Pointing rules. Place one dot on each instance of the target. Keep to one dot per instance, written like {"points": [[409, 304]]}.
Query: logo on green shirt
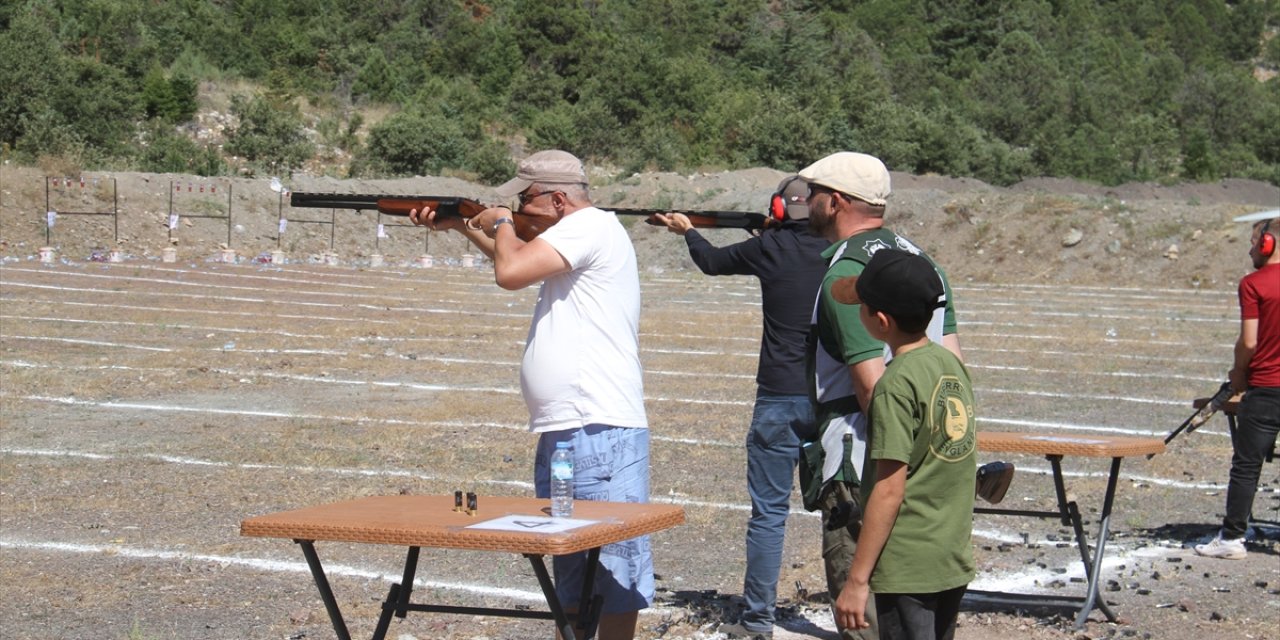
{"points": [[951, 425]]}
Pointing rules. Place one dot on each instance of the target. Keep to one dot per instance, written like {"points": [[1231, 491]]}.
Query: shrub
{"points": [[413, 143]]}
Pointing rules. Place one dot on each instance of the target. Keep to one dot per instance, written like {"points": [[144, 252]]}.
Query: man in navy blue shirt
{"points": [[787, 259]]}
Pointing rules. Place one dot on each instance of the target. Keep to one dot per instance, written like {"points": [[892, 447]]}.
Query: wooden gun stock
{"points": [[527, 227]]}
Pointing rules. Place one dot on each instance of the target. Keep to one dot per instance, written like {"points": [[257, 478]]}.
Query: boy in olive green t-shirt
{"points": [[914, 551]]}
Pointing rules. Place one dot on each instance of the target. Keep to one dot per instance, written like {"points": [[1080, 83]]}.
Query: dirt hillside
{"points": [[1038, 231]]}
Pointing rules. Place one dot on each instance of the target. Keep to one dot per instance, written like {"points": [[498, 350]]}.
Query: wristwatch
{"points": [[501, 221]]}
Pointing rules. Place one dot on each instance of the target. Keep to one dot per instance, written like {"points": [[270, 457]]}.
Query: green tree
{"points": [[1192, 37], [376, 80], [268, 133], [29, 74], [1198, 159], [412, 143], [1019, 89], [170, 99], [782, 135], [166, 151]]}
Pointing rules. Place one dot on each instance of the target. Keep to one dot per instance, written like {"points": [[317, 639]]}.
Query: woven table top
{"points": [[1046, 444], [430, 521]]}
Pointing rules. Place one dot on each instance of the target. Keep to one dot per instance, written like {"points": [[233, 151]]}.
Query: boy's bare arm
{"points": [[877, 523]]}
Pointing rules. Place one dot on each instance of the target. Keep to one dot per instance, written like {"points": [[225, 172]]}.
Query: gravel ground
{"points": [[146, 408]]}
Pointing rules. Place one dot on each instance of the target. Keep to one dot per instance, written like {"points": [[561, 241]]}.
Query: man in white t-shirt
{"points": [[581, 375]]}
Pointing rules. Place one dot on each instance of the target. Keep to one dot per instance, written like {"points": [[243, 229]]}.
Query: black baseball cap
{"points": [[899, 283]]}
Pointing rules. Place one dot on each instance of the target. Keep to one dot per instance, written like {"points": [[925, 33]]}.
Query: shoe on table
{"points": [[737, 630], [1219, 547]]}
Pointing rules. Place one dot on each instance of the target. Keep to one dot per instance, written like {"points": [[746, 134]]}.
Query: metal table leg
{"points": [[326, 593], [588, 614], [1094, 572], [397, 602], [1071, 516], [563, 625]]}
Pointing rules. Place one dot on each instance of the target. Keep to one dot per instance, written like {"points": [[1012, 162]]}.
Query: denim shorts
{"points": [[609, 464]]}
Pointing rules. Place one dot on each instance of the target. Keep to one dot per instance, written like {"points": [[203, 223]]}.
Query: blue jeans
{"points": [[773, 448]]}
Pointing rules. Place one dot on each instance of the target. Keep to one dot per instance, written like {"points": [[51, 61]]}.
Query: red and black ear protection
{"points": [[778, 203], [778, 207], [1266, 241]]}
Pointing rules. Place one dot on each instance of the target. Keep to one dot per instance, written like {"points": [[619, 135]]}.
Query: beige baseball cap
{"points": [[857, 174], [552, 166]]}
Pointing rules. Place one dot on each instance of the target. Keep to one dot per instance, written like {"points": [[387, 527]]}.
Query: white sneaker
{"points": [[1220, 548]]}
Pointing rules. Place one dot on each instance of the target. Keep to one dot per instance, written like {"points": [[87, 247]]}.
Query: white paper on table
{"points": [[532, 524]]}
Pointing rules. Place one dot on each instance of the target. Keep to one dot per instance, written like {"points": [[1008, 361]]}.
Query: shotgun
{"points": [[527, 227], [1202, 414]]}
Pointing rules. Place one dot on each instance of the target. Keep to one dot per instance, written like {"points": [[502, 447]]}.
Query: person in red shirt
{"points": [[1256, 373]]}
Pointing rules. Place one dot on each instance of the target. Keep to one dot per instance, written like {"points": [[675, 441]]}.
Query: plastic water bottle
{"points": [[562, 481]]}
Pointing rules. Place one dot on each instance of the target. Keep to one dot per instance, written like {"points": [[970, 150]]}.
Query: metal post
{"points": [[228, 214], [279, 215], [169, 222], [115, 208]]}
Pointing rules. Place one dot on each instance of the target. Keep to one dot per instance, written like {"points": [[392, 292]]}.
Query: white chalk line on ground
{"points": [[93, 343], [293, 290], [513, 364], [1066, 426], [671, 498], [748, 291], [1085, 396], [1033, 581], [993, 308], [137, 406], [381, 279], [1110, 374], [647, 398], [313, 336], [207, 285], [740, 286], [647, 370], [166, 326], [469, 313], [1091, 291], [1143, 341], [261, 564], [1022, 312], [126, 345], [377, 383], [315, 318], [193, 296], [214, 312], [251, 466], [1225, 361], [997, 535], [331, 418]]}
